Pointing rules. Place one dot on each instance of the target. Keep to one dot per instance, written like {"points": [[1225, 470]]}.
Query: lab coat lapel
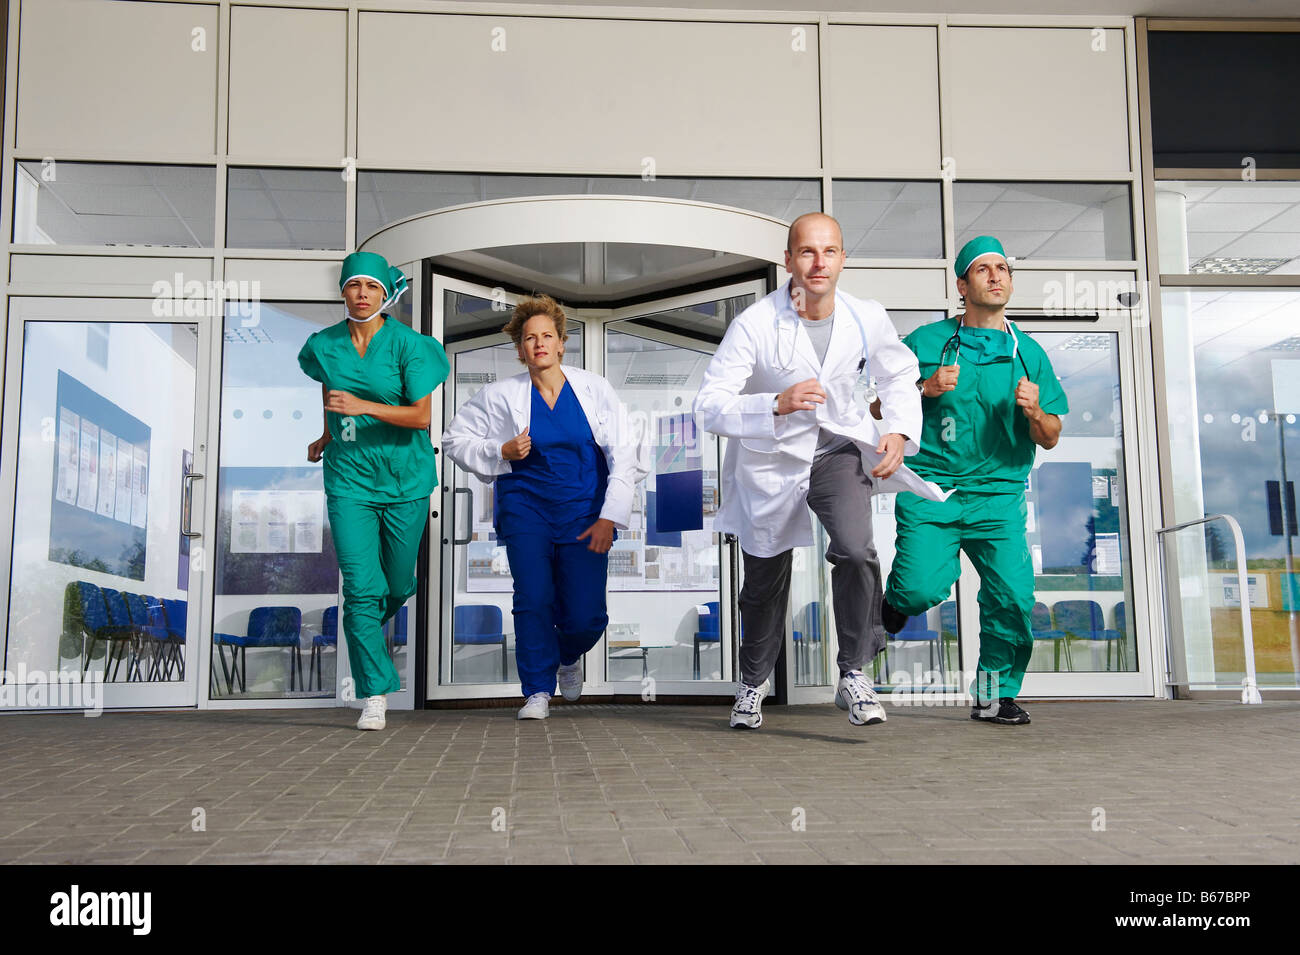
{"points": [[845, 350], [519, 396], [805, 356], [587, 398]]}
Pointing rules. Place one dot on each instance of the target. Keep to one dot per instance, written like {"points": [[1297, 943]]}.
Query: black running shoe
{"points": [[1005, 711], [893, 620]]}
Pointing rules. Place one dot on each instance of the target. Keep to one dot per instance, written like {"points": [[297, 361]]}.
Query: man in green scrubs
{"points": [[989, 400], [377, 376]]}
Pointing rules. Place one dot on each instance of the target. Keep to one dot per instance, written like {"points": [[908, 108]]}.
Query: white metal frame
{"points": [[135, 695]]}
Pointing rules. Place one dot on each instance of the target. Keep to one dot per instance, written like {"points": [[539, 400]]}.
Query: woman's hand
{"points": [[341, 402], [517, 448], [601, 534], [316, 449]]}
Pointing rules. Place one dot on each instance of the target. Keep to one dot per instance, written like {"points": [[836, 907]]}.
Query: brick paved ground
{"points": [[1178, 782]]}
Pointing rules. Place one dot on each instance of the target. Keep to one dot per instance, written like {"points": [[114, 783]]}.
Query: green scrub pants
{"points": [[377, 545], [991, 529]]}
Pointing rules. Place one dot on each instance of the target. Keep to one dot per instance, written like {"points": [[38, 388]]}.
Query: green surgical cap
{"points": [[371, 265], [972, 250]]}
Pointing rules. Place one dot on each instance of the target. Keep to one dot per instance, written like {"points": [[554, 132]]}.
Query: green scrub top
{"points": [[372, 460], [975, 437]]}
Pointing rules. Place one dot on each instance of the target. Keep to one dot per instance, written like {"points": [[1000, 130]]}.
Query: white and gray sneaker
{"points": [[372, 714], [856, 694], [747, 711], [570, 680], [536, 707]]}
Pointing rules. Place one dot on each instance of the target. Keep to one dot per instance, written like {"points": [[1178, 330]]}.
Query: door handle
{"points": [[187, 494], [455, 516]]}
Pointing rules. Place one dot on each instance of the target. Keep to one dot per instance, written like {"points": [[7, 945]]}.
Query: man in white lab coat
{"points": [[781, 387]]}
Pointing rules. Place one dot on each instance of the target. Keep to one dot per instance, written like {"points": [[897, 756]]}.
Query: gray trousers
{"points": [[839, 493]]}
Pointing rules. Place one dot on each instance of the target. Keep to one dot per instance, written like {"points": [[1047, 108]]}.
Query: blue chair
{"points": [[176, 612], [130, 632], [479, 625], [328, 637], [267, 627], [86, 620], [159, 639], [1040, 625], [1084, 620], [397, 631], [708, 630], [914, 630]]}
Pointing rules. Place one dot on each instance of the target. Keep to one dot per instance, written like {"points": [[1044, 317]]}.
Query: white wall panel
{"points": [[288, 83], [1037, 100], [94, 74], [587, 94], [882, 100]]}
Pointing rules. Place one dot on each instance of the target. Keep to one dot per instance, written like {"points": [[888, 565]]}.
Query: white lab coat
{"points": [[769, 459], [501, 410]]}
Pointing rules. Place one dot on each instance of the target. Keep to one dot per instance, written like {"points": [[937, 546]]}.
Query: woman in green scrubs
{"points": [[377, 377]]}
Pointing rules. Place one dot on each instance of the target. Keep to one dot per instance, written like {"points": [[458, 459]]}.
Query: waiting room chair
{"points": [[1040, 626], [267, 627], [807, 638], [480, 625], [85, 618], [916, 631], [1084, 620], [708, 629], [328, 637]]}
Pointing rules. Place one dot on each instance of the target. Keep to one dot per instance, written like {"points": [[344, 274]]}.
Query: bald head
{"points": [[811, 223]]}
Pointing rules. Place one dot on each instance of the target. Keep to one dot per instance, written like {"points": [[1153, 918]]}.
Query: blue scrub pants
{"points": [[377, 547], [559, 606]]}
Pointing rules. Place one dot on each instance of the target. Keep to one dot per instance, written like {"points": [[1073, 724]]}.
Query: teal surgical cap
{"points": [[977, 247], [371, 265]]}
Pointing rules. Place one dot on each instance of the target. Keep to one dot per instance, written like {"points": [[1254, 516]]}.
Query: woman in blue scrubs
{"points": [[565, 461], [377, 377]]}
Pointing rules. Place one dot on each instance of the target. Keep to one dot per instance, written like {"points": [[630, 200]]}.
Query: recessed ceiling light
{"points": [[1236, 265]]}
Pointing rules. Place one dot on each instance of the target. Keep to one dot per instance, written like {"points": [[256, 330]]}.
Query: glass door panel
{"points": [[104, 448], [671, 609], [478, 633]]}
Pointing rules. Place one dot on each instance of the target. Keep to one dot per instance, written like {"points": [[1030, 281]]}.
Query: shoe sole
{"points": [[742, 725], [364, 728], [571, 699], [532, 717], [1000, 722]]}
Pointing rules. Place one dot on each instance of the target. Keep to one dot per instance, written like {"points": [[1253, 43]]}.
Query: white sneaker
{"points": [[570, 680], [536, 707], [747, 711], [856, 694], [372, 716]]}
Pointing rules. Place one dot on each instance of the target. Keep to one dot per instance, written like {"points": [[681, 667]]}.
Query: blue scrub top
{"points": [[559, 489]]}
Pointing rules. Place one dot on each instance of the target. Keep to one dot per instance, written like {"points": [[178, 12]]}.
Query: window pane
{"points": [[81, 203], [385, 197], [285, 209], [100, 578], [1229, 228], [1232, 362], [1048, 220], [896, 220]]}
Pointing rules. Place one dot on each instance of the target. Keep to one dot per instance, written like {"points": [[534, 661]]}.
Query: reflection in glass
{"points": [[895, 220], [1229, 228], [1077, 521], [100, 577], [1232, 362], [1048, 220], [385, 197], [664, 579], [285, 209], [83, 203]]}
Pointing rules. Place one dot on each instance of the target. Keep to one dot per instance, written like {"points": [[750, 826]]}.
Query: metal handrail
{"points": [[1250, 688]]}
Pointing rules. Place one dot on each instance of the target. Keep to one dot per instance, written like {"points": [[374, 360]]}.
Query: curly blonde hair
{"points": [[531, 307]]}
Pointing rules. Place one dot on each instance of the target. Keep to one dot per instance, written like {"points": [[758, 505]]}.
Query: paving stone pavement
{"points": [[1173, 782]]}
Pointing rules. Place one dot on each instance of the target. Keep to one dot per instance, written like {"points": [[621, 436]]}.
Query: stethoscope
{"points": [[955, 343], [788, 364]]}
